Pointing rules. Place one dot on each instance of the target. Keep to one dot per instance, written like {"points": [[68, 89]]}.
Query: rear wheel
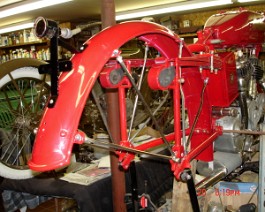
{"points": [[148, 112]]}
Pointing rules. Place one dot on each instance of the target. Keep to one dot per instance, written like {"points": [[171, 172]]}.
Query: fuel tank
{"points": [[234, 28]]}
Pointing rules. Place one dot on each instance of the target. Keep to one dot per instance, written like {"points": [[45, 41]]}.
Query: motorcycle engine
{"points": [[250, 106], [245, 113]]}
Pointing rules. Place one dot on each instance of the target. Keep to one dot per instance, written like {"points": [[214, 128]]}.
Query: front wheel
{"points": [[23, 95]]}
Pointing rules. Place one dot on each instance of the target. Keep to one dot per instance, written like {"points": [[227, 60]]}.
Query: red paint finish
{"points": [[241, 28], [222, 88], [58, 129]]}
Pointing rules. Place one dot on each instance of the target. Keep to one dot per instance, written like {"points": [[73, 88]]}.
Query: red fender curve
{"points": [[58, 127]]}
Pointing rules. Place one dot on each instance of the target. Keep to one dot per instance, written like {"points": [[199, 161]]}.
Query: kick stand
{"points": [[184, 197], [192, 191]]}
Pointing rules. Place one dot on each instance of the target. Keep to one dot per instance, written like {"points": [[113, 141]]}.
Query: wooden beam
{"points": [[118, 175]]}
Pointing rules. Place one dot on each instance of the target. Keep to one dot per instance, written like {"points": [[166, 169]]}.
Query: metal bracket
{"points": [[53, 68], [186, 176]]}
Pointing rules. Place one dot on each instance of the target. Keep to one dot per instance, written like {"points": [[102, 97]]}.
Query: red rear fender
{"points": [[58, 128]]}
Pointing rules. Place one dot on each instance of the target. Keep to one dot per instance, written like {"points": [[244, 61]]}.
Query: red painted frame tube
{"points": [[197, 150], [123, 119], [178, 167], [178, 147]]}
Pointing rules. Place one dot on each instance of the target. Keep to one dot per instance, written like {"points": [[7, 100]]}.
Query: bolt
{"points": [[35, 131], [115, 52], [185, 176], [78, 137], [63, 133], [177, 160], [188, 177]]}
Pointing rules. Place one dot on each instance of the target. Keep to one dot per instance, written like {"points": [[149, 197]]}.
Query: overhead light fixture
{"points": [[8, 2], [247, 1], [12, 28], [29, 6], [169, 8]]}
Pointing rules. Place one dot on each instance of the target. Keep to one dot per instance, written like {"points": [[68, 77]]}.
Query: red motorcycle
{"points": [[205, 101]]}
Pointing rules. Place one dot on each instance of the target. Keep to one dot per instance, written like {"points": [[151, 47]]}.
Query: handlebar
{"points": [[49, 28]]}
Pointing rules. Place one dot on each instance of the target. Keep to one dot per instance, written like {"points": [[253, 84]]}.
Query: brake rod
{"points": [[113, 147], [244, 132]]}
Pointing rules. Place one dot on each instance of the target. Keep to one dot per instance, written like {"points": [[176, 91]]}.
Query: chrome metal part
{"points": [[211, 180], [139, 87], [113, 147], [256, 110], [222, 160], [229, 142], [219, 111], [253, 88], [249, 132]]}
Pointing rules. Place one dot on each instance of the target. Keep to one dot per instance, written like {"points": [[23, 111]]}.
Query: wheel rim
{"points": [[22, 102]]}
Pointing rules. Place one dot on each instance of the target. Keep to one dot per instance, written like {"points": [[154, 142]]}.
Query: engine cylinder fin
{"points": [[257, 72]]}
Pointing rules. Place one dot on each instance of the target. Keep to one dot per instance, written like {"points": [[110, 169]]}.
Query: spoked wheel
{"points": [[147, 112], [23, 95], [136, 116]]}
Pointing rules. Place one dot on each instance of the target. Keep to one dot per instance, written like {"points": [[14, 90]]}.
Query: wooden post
{"points": [[180, 197], [118, 175]]}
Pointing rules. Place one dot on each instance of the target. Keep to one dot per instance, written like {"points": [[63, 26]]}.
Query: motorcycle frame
{"points": [[58, 130]]}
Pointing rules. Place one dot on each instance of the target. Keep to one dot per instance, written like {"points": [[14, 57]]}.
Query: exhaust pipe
{"points": [[210, 181]]}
